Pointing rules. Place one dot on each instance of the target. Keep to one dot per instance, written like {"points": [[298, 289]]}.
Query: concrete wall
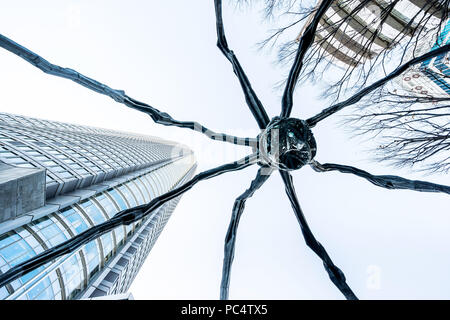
{"points": [[21, 190]]}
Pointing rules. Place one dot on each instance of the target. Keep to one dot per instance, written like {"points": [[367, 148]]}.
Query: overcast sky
{"points": [[390, 244]]}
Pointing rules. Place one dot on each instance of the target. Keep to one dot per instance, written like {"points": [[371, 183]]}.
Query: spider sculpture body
{"points": [[285, 144]]}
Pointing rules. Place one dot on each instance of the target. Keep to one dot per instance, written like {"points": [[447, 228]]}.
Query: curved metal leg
{"points": [[118, 95], [230, 239], [336, 275], [256, 107], [388, 182]]}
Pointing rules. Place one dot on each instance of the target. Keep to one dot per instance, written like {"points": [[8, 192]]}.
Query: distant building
{"points": [[59, 179], [346, 48], [120, 296], [432, 77]]}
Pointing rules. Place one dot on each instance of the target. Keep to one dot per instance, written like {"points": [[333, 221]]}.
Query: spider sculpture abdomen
{"points": [[287, 144]]}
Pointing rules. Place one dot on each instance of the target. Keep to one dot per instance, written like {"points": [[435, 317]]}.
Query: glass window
{"points": [[108, 245], [149, 186], [74, 219], [145, 188], [118, 198], [16, 253], [128, 195], [49, 231], [42, 291], [107, 205], [72, 274], [120, 235], [136, 191], [3, 265], [30, 275], [93, 212], [129, 229], [92, 257], [163, 180], [3, 293], [8, 238], [158, 183], [155, 184]]}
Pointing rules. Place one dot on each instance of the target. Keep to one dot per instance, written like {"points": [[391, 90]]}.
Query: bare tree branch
{"points": [[305, 43], [405, 129], [352, 38], [358, 96]]}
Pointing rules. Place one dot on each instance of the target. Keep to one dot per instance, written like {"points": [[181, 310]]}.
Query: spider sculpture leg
{"points": [[123, 217], [385, 181], [336, 275], [305, 43], [118, 95], [256, 107], [230, 239], [358, 96]]}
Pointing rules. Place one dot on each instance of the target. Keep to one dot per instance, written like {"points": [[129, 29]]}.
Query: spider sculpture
{"points": [[285, 144]]}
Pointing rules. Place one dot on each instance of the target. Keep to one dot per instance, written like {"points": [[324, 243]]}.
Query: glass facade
{"points": [[76, 156], [432, 76], [346, 47], [108, 264]]}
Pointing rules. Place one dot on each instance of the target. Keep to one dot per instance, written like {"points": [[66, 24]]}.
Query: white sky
{"points": [[390, 244]]}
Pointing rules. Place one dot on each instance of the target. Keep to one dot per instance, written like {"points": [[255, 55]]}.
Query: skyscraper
{"points": [[353, 28], [432, 76], [57, 180]]}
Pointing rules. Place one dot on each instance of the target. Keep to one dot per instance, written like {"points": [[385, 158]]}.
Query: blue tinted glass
{"points": [[58, 238], [3, 293], [145, 188], [28, 276], [93, 212], [129, 228], [107, 205], [2, 262], [50, 232], [43, 290], [158, 181], [119, 233], [107, 243], [136, 192], [75, 220], [128, 195], [42, 222], [8, 238], [17, 252], [149, 187], [92, 255], [155, 184], [160, 177], [118, 198], [72, 274]]}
